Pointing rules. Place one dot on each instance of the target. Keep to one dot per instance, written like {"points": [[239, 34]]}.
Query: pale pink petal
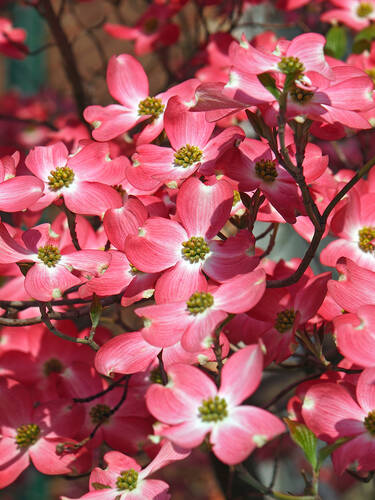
{"points": [[42, 159], [46, 460], [185, 127], [45, 283], [13, 461], [110, 121], [127, 80], [245, 428], [92, 198], [204, 208], [188, 434], [180, 282], [330, 412], [241, 293], [241, 374], [10, 251], [366, 390], [309, 48], [126, 353], [120, 222], [92, 261], [163, 329], [157, 246], [19, 193], [168, 453], [200, 333]]}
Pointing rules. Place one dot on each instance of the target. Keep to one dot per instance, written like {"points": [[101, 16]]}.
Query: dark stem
{"points": [[67, 55]]}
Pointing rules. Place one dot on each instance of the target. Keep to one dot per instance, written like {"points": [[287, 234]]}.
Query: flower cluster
{"points": [[143, 216]]}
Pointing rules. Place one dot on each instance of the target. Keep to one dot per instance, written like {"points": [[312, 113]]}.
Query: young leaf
{"points": [[270, 84], [99, 486], [95, 311], [305, 438], [330, 448], [363, 39], [336, 42]]}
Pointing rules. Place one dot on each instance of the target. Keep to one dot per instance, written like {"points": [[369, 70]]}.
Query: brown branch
{"points": [[29, 121], [47, 321], [72, 314], [70, 63]]}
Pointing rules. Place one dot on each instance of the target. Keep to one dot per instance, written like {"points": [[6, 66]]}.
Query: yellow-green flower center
{"points": [[127, 480], [369, 422], [364, 9], [151, 106], [291, 65], [301, 96], [284, 320], [236, 198], [199, 302], [53, 365], [27, 435], [195, 249], [49, 255], [60, 177], [213, 409], [366, 239], [266, 170], [100, 413], [187, 156], [155, 376]]}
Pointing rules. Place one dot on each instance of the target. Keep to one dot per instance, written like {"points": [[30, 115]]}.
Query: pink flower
{"points": [[17, 193], [11, 40], [192, 146], [192, 406], [151, 31], [50, 275], [124, 478], [331, 412], [82, 178], [193, 321], [128, 84], [32, 432], [354, 224], [356, 14], [183, 247]]}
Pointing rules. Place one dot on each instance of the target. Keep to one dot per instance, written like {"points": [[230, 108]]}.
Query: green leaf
{"points": [[99, 486], [269, 83], [305, 438], [363, 39], [330, 448], [336, 42], [95, 311]]}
